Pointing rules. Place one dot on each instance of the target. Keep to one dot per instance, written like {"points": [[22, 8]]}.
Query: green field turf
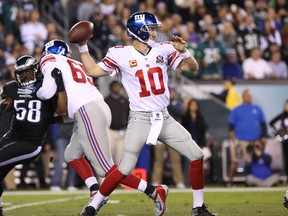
{"points": [[223, 202]]}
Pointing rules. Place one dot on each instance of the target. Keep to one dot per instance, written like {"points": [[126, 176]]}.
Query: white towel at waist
{"points": [[156, 126]]}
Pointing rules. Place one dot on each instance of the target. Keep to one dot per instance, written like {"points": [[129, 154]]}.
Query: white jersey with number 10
{"points": [[144, 77]]}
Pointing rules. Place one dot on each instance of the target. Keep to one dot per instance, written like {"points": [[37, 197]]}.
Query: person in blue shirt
{"points": [[259, 172], [247, 125], [231, 67]]}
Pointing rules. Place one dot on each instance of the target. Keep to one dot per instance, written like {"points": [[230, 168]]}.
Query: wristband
{"points": [[186, 54], [83, 48]]}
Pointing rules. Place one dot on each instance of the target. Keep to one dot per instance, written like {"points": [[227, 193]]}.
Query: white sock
{"points": [[198, 198], [97, 200], [91, 181], [142, 185]]}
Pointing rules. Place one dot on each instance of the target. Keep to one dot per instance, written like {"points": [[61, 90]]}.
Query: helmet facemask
{"points": [[154, 32], [26, 77]]}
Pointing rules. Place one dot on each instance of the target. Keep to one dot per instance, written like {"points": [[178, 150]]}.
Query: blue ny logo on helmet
{"points": [[58, 47], [139, 23]]}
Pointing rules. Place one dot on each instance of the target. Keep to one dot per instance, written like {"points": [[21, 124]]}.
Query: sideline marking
{"points": [[43, 202]]}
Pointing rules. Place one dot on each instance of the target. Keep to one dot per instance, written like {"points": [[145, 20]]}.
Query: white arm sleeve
{"points": [[49, 86]]}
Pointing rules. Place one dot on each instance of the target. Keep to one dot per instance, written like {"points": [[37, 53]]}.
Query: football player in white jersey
{"points": [[143, 68], [92, 118]]}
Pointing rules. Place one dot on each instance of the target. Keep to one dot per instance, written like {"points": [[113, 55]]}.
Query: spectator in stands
{"points": [[61, 137], [258, 169], [205, 24], [260, 14], [269, 35], [273, 18], [9, 11], [176, 109], [281, 7], [267, 54], [248, 38], [178, 26], [85, 10], [119, 106], [280, 125], [166, 33], [212, 55], [247, 125], [51, 28], [108, 6], [33, 32], [223, 15], [71, 8], [256, 67], [228, 35], [21, 18], [9, 41], [229, 95], [116, 37], [194, 37], [231, 67], [284, 47], [278, 66], [198, 15], [183, 8]]}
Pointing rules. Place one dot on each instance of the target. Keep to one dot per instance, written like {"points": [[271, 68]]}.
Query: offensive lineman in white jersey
{"points": [[143, 68], [92, 117]]}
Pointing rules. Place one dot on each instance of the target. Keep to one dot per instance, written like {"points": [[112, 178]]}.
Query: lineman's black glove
{"points": [[57, 75]]}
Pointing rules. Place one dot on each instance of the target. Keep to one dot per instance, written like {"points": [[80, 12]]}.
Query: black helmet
{"points": [[26, 70]]}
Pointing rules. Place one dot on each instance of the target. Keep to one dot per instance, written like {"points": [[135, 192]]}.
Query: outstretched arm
{"points": [[91, 67], [189, 63]]}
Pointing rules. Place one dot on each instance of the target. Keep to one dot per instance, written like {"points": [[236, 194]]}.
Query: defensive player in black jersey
{"points": [[30, 121]]}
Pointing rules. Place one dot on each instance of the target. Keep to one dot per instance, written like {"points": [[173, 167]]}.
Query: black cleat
{"points": [[89, 211], [1, 211], [90, 200], [201, 211]]}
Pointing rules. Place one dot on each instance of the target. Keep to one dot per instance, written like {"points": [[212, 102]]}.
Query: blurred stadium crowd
{"points": [[220, 33]]}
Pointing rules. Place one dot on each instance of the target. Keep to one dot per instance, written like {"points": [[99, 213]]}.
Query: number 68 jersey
{"points": [[144, 77], [79, 87], [32, 116]]}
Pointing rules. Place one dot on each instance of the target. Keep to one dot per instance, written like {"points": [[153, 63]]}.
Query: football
{"points": [[80, 32]]}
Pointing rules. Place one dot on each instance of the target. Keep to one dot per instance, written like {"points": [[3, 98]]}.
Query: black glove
{"points": [[57, 75]]}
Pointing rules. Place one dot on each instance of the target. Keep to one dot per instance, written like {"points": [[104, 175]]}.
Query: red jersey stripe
{"points": [[50, 58]]}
